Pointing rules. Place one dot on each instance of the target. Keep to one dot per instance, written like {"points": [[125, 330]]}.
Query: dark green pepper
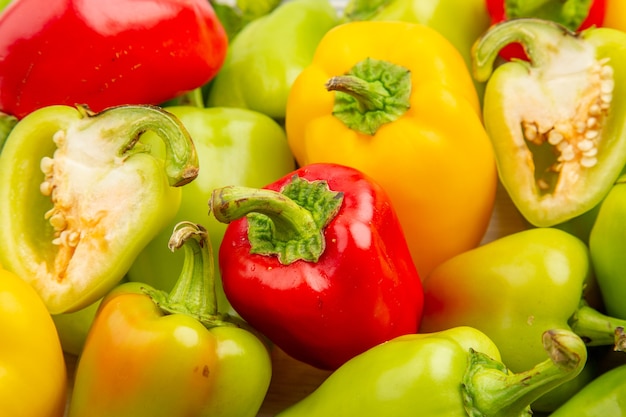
{"points": [[81, 195], [556, 121], [267, 55], [454, 373]]}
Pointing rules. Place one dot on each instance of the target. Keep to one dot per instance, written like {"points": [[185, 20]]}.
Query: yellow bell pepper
{"points": [[33, 376], [396, 101]]}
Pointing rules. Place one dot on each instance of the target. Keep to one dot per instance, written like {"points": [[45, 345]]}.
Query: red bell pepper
{"points": [[318, 263], [105, 53], [576, 15]]}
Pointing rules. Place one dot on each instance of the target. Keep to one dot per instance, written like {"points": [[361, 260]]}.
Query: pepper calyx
{"points": [[596, 328], [372, 94], [288, 224], [489, 389]]}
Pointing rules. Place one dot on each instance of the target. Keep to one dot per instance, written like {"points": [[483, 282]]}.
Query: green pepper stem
{"points": [[125, 124], [367, 96], [364, 9], [194, 293], [287, 224], [595, 328], [490, 390], [195, 286], [542, 41]]}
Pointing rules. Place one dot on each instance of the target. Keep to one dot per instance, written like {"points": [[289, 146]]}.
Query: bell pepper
{"points": [[615, 16], [266, 56], [398, 130], [131, 52], [81, 196], [152, 353], [607, 242], [33, 378], [454, 373], [460, 21], [559, 140], [515, 288], [576, 15], [72, 328], [235, 147], [235, 17], [604, 396], [317, 262]]}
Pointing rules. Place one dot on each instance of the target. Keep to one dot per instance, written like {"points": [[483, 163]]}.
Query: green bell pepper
{"points": [[235, 147], [264, 59], [81, 195], [607, 245], [151, 353], [460, 21], [235, 17], [454, 373], [604, 396], [555, 121], [515, 288]]}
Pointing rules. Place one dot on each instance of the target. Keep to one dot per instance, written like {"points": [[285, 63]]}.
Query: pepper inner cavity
{"points": [[566, 148]]}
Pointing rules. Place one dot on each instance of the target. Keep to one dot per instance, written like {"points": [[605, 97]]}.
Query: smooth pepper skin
{"points": [[417, 156], [33, 381], [362, 289], [150, 353], [515, 288], [81, 196], [607, 243], [604, 396], [131, 52], [555, 120], [268, 54], [459, 21], [452, 373], [235, 146]]}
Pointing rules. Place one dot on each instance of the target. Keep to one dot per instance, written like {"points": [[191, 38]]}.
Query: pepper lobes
{"points": [[131, 52], [318, 263], [379, 97], [171, 354]]}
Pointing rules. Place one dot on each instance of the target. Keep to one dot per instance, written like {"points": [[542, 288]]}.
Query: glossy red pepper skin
{"points": [[364, 288], [105, 53], [496, 10]]}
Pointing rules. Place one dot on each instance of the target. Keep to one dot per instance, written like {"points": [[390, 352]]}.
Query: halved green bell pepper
{"points": [[556, 122], [267, 55], [81, 195]]}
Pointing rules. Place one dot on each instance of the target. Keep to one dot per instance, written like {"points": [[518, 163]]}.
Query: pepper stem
{"points": [[490, 390], [194, 293], [595, 328], [373, 93], [125, 124], [544, 42], [287, 224]]}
